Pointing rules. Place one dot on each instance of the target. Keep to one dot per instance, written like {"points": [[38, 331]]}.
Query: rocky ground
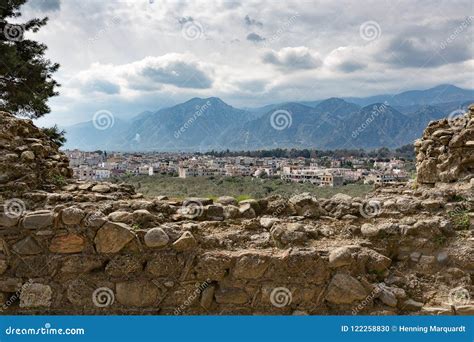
{"points": [[88, 248]]}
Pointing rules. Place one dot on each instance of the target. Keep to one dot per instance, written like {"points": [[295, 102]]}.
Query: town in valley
{"points": [[319, 171]]}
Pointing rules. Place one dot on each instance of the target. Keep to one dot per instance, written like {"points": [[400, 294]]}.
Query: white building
{"points": [[311, 175], [101, 174]]}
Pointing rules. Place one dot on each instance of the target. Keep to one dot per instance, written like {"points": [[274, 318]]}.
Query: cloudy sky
{"points": [[131, 56]]}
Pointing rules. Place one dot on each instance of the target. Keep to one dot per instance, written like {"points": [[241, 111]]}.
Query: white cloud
{"points": [[179, 70], [149, 74], [139, 58]]}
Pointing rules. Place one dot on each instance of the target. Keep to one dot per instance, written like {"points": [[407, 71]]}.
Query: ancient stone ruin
{"points": [[101, 248], [28, 159], [445, 153]]}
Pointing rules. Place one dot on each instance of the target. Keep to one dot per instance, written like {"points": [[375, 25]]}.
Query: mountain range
{"points": [[389, 120]]}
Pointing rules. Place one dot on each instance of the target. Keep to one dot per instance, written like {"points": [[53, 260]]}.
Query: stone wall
{"points": [[445, 153], [101, 249], [28, 160]]}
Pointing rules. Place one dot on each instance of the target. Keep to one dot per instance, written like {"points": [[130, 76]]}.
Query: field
{"points": [[239, 187]]}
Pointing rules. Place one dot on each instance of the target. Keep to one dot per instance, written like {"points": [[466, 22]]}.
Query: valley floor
{"points": [[238, 187]]}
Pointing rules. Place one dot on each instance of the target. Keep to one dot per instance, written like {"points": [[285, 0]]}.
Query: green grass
{"points": [[440, 240], [241, 188], [136, 226], [59, 180], [460, 219], [241, 198]]}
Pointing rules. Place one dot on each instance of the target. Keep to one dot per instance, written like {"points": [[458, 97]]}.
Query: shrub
{"points": [[55, 135]]}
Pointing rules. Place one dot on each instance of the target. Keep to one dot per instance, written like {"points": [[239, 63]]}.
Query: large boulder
{"points": [[112, 237], [67, 243], [34, 295], [305, 205], [137, 293], [72, 215], [185, 242], [38, 219], [156, 237], [344, 289]]}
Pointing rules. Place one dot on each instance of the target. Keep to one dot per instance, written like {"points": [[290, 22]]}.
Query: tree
{"points": [[56, 135], [26, 81]]}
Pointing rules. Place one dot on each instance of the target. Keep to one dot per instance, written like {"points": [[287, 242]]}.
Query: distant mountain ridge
{"points": [[439, 94], [211, 124]]}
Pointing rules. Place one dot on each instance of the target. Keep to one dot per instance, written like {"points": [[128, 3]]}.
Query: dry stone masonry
{"points": [[101, 248], [28, 160], [445, 153]]}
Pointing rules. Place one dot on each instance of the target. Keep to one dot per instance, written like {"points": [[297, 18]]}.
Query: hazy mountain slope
{"points": [[198, 124], [205, 124], [95, 136], [373, 126], [439, 94]]}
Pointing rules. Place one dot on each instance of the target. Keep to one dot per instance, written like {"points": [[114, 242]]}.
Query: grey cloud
{"points": [[181, 74], [45, 5], [428, 47], [254, 37], [184, 20], [252, 22], [230, 4], [351, 66], [292, 58], [101, 86]]}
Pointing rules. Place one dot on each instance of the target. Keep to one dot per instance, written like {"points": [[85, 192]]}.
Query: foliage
{"points": [[56, 135], [460, 219], [405, 152], [59, 180], [136, 226], [440, 240], [26, 81], [241, 198]]}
